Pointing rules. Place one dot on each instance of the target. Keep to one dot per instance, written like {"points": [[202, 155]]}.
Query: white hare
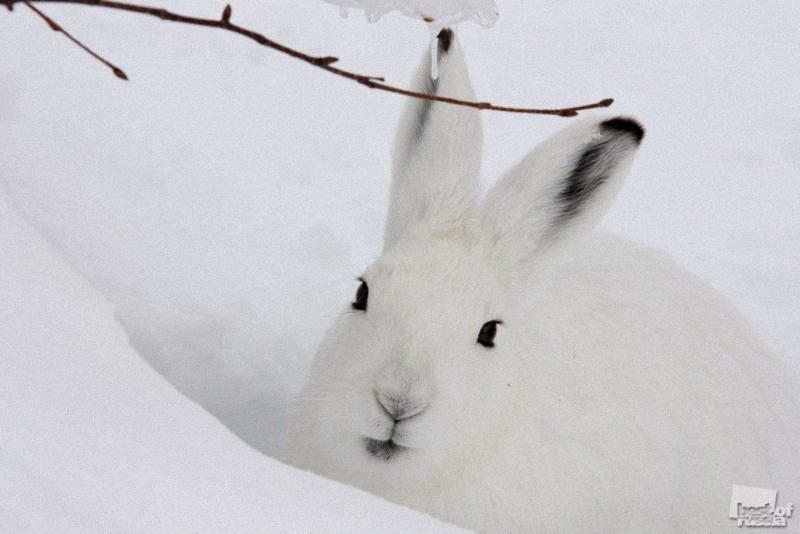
{"points": [[504, 369]]}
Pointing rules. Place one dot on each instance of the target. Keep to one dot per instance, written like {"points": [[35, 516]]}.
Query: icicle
{"points": [[434, 51]]}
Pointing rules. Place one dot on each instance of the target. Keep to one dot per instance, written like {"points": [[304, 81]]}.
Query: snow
{"points": [[193, 231], [437, 13], [94, 440], [440, 13]]}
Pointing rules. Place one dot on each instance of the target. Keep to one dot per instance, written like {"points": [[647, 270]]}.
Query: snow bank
{"points": [[94, 440]]}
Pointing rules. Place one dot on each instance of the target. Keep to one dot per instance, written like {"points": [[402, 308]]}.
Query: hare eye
{"points": [[487, 333], [361, 297]]}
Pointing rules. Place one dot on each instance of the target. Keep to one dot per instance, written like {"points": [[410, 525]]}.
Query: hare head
{"points": [[408, 371], [462, 380]]}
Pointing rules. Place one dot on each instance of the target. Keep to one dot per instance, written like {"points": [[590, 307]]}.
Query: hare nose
{"points": [[399, 406]]}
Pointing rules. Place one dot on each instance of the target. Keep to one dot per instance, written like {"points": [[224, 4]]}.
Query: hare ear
{"points": [[560, 190], [437, 151]]}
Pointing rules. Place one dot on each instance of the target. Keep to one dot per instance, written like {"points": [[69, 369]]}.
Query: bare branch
{"points": [[55, 27], [324, 62]]}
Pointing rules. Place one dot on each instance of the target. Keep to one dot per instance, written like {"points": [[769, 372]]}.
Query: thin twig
{"points": [[323, 62], [55, 27]]}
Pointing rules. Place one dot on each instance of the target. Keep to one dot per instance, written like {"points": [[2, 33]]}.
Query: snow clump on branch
{"points": [[439, 13]]}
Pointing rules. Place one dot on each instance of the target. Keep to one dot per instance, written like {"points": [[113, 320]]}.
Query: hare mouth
{"points": [[383, 450]]}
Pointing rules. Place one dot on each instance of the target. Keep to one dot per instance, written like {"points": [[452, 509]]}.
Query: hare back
{"points": [[646, 396]]}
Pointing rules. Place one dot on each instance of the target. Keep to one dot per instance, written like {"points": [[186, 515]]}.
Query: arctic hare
{"points": [[505, 369]]}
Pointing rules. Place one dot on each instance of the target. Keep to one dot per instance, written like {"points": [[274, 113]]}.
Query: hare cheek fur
{"points": [[504, 369]]}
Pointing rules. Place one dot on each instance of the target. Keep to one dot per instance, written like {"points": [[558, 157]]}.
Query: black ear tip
{"points": [[625, 125], [445, 38]]}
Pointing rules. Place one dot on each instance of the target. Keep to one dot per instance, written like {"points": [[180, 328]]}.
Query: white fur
{"points": [[622, 394]]}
